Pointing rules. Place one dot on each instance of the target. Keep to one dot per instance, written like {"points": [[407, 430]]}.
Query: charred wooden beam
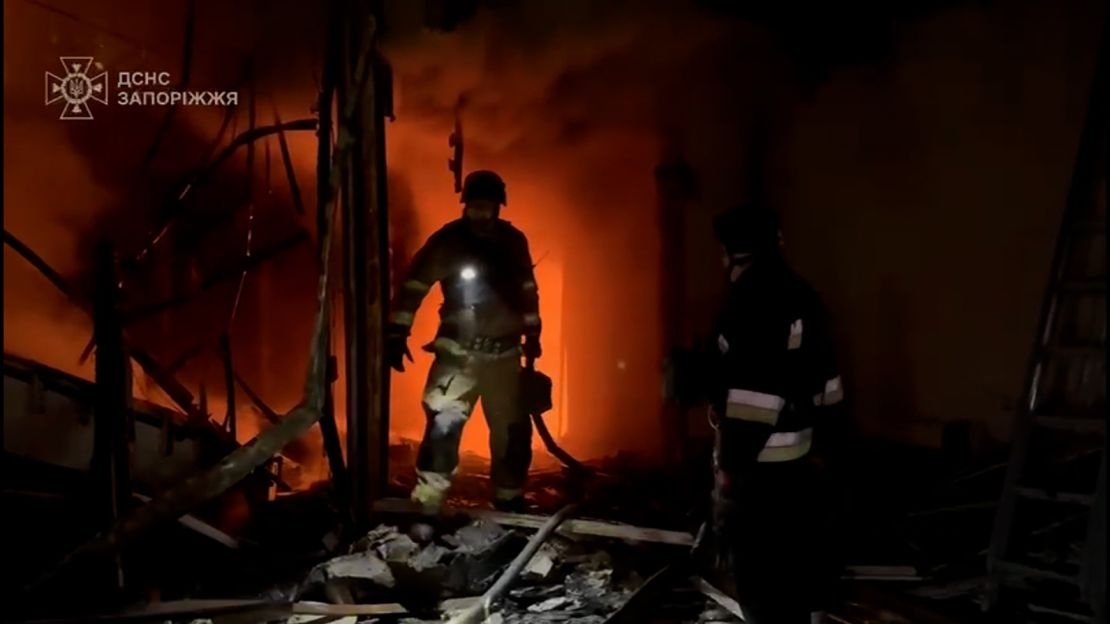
{"points": [[111, 459], [328, 428], [365, 244], [47, 271]]}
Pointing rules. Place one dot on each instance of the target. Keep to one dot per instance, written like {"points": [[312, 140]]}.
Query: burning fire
{"points": [[579, 185]]}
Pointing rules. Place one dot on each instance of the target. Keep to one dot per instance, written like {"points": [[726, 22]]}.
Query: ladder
{"points": [[1046, 539]]}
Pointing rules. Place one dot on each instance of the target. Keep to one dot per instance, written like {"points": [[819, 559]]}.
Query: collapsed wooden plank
{"points": [[200, 526], [390, 608], [341, 610], [263, 610], [178, 609], [727, 602], [594, 528]]}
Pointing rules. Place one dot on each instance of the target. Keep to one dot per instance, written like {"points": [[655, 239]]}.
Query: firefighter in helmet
{"points": [[488, 320], [774, 380]]}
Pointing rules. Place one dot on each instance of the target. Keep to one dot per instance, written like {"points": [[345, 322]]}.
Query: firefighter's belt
{"points": [[492, 346]]}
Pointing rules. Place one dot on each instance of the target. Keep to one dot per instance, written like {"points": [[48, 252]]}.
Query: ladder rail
{"points": [[1083, 179]]}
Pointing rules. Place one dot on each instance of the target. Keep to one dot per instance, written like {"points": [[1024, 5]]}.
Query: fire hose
{"points": [[537, 399]]}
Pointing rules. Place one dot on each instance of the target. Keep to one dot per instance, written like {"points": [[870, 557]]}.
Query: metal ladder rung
{"points": [[1055, 497], [1091, 225], [1077, 617], [1066, 423], [1085, 286], [1020, 571], [1075, 349]]}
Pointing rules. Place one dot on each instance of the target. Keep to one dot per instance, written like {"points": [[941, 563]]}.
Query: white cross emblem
{"points": [[76, 87]]}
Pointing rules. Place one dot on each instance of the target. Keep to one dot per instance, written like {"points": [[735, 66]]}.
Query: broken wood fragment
{"points": [[595, 528], [473, 614], [200, 526], [322, 608], [180, 609], [881, 573], [728, 603]]}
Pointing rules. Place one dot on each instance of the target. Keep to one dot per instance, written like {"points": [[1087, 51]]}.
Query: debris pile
{"points": [[571, 578]]}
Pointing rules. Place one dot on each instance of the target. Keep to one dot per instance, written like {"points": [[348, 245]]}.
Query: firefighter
{"points": [[489, 318], [774, 380]]}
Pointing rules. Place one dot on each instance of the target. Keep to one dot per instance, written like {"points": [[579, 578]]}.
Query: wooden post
{"points": [[328, 428], [676, 190], [110, 468], [363, 219]]}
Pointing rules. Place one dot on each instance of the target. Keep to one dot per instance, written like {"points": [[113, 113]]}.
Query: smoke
{"points": [[575, 103], [569, 101]]}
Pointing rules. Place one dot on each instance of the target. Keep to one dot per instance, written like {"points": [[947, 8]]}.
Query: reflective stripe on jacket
{"points": [[775, 369]]}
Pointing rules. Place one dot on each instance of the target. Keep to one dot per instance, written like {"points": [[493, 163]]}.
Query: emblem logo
{"points": [[76, 87]]}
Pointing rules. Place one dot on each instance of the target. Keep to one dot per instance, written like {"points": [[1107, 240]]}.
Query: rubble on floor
{"points": [[588, 571], [570, 579]]}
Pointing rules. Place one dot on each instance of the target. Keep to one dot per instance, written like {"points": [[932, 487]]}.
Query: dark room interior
{"points": [[538, 311]]}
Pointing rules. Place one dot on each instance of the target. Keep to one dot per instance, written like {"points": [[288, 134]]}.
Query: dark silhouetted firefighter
{"points": [[488, 320], [772, 378]]}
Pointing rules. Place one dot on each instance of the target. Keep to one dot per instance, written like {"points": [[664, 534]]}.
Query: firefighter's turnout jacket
{"points": [[774, 377], [775, 367], [490, 300]]}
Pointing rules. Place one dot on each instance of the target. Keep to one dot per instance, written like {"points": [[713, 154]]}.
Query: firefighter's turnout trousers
{"points": [[782, 561], [455, 384]]}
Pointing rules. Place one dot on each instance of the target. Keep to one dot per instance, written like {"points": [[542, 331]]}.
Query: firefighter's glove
{"points": [[532, 349], [397, 348]]}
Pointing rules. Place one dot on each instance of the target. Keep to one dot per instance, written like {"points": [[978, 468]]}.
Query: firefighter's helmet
{"points": [[748, 228], [484, 185]]}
